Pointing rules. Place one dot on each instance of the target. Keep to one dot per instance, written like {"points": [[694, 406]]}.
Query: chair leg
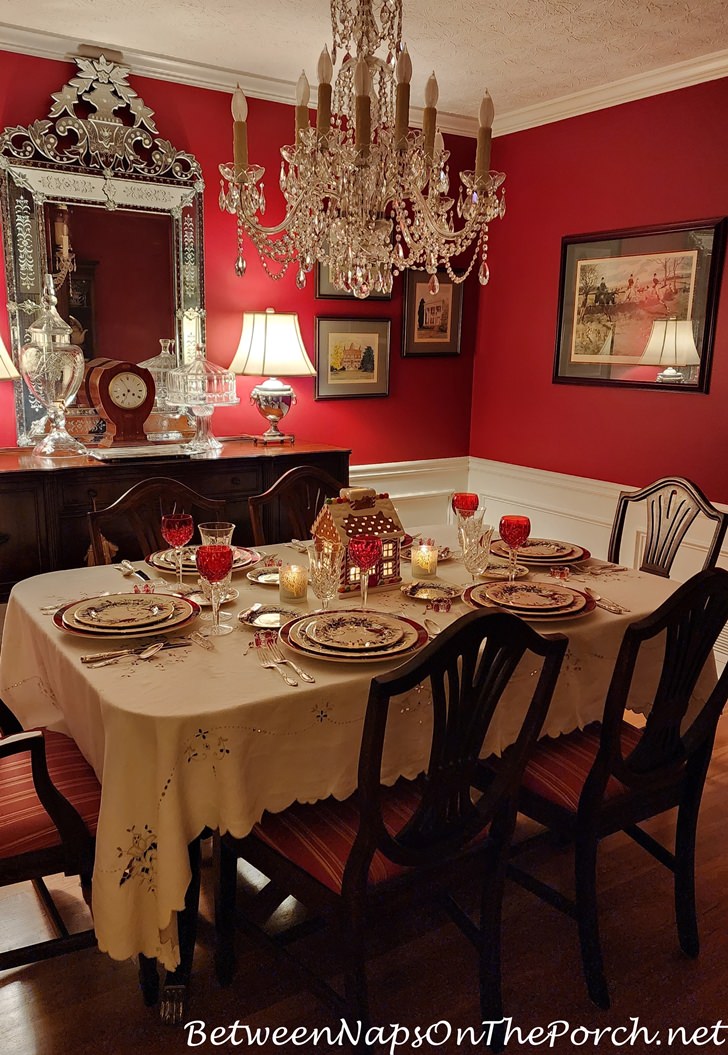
{"points": [[685, 912], [491, 999], [148, 980], [226, 875], [588, 919], [355, 979]]}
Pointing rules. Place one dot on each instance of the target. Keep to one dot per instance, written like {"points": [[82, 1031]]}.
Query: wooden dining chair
{"points": [[137, 516], [49, 807], [345, 857], [611, 776], [299, 495], [672, 504]]}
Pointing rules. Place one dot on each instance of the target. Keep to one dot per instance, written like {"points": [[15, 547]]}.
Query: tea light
{"points": [[293, 583], [424, 562]]}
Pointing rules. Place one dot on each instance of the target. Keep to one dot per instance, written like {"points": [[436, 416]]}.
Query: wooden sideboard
{"points": [[43, 511]]}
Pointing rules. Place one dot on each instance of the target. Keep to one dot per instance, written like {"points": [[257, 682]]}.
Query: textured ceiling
{"points": [[526, 53]]}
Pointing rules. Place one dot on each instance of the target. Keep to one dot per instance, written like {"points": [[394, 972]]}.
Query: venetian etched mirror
{"points": [[92, 195]]}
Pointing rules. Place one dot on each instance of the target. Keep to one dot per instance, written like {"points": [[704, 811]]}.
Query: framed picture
{"points": [[352, 358], [431, 320], [637, 307], [326, 290]]}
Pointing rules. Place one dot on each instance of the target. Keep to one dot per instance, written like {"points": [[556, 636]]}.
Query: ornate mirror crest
{"points": [[99, 147]]}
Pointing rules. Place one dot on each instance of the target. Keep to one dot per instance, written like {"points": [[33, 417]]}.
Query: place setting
{"points": [[126, 615], [531, 600], [353, 636]]}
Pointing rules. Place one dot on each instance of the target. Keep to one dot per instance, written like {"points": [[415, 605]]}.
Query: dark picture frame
{"points": [[615, 286], [324, 288], [352, 358], [432, 322]]}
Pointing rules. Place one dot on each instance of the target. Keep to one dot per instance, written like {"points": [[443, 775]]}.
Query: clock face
{"points": [[127, 391]]}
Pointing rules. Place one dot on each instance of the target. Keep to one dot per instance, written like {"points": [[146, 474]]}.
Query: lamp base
{"points": [[267, 440], [671, 376]]}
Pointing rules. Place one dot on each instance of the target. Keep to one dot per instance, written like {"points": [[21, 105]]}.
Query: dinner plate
{"points": [[529, 596], [498, 571], [121, 611], [414, 637], [204, 602], [163, 559], [357, 631], [474, 597], [430, 591], [542, 551], [185, 612], [265, 575], [267, 617]]}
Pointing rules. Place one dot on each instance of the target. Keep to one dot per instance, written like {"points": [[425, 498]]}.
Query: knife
{"points": [[131, 651]]}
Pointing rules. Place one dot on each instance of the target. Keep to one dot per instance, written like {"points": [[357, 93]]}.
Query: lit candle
{"points": [[293, 583], [323, 114], [424, 562], [240, 131], [429, 114], [404, 76], [303, 93], [485, 133], [363, 106]]}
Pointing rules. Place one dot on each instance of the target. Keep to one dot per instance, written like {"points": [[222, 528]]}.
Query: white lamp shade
{"points": [[271, 346], [671, 343], [7, 367]]}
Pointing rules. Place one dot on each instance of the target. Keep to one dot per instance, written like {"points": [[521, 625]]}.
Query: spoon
{"points": [[602, 602], [127, 568], [432, 628]]}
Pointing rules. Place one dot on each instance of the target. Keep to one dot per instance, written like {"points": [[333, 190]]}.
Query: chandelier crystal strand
{"points": [[364, 194]]}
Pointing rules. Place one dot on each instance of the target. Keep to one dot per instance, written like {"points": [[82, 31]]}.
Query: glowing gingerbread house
{"points": [[361, 511]]}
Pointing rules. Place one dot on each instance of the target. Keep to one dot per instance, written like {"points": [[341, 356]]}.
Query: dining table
{"points": [[206, 738]]}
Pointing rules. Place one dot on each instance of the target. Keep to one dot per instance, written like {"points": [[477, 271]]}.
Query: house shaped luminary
{"points": [[361, 511]]}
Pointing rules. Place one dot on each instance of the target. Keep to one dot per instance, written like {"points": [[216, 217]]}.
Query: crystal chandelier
{"points": [[364, 194]]}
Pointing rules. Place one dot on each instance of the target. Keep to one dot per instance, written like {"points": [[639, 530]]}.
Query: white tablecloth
{"points": [[195, 738]]}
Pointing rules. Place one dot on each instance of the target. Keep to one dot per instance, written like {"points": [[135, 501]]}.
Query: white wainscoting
{"points": [[574, 508]]}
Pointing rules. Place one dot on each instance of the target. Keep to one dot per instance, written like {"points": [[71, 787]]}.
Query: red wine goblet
{"points": [[177, 529], [214, 563], [464, 502], [364, 552], [514, 530]]}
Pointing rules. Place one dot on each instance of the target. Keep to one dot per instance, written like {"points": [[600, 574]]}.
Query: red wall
{"points": [[425, 415], [656, 161]]}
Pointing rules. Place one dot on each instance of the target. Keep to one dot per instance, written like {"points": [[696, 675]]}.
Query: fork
{"points": [[277, 657], [268, 664]]}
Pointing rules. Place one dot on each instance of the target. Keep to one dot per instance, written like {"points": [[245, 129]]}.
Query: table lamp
{"points": [[271, 344], [671, 344]]}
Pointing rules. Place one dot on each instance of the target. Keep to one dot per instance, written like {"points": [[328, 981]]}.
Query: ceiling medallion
{"points": [[364, 194]]}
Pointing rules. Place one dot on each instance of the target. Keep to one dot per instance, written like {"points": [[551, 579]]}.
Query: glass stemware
{"points": [[476, 549], [464, 503], [214, 563], [219, 533], [364, 552], [514, 530], [177, 531], [324, 561]]}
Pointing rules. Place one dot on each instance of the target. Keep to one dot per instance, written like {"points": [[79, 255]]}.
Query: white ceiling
{"points": [[529, 54]]}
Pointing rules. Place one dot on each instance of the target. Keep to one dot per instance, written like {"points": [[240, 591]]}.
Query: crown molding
{"points": [[218, 78], [655, 82]]}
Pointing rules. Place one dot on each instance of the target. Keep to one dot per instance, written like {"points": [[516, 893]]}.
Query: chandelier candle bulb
{"points": [[292, 583], [323, 113], [429, 114], [303, 93], [485, 133], [404, 76], [424, 562], [363, 107], [239, 108]]}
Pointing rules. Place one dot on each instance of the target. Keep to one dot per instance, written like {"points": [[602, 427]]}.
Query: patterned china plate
{"points": [[292, 635], [497, 571], [164, 560], [184, 612], [267, 617], [430, 591], [265, 576], [542, 551], [356, 631], [475, 597], [530, 596], [204, 602], [122, 611], [443, 553]]}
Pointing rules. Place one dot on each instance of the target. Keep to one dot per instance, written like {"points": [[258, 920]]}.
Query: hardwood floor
{"points": [[421, 971]]}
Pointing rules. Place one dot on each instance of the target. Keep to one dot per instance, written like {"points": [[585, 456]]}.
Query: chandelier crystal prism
{"points": [[364, 194]]}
